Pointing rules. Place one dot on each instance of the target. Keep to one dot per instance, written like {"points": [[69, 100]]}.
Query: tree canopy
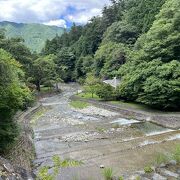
{"points": [[135, 40], [14, 95]]}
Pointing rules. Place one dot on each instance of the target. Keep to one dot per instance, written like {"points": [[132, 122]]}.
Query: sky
{"points": [[60, 13]]}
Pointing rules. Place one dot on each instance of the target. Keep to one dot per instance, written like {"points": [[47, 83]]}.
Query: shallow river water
{"points": [[96, 136]]}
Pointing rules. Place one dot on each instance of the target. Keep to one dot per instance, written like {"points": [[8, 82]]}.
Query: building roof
{"points": [[113, 82]]}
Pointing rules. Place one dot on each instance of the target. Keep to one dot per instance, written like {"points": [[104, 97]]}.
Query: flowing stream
{"points": [[96, 136]]}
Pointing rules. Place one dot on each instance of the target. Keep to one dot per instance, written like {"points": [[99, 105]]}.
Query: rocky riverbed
{"points": [[95, 136]]}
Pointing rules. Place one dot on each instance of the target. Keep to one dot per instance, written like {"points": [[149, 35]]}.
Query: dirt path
{"points": [[89, 135]]}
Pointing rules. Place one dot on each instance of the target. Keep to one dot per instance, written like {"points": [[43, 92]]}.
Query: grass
{"points": [[79, 104], [121, 178], [88, 96], [100, 129], [124, 104], [115, 125], [58, 163], [45, 89], [176, 154], [161, 159], [37, 115], [131, 105], [108, 173]]}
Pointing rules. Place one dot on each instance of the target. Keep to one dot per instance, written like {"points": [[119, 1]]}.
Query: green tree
{"points": [[66, 63], [109, 58], [153, 83], [163, 39], [18, 50], [14, 95], [84, 65], [106, 92], [121, 32], [151, 76], [141, 13], [91, 84], [44, 71]]}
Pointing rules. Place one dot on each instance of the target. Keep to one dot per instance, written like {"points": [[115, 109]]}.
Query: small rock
{"points": [[158, 177], [153, 168], [168, 173], [112, 129], [133, 177], [140, 172], [102, 166], [172, 162], [8, 167], [162, 165]]}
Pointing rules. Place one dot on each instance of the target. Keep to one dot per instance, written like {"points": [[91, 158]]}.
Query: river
{"points": [[91, 135]]}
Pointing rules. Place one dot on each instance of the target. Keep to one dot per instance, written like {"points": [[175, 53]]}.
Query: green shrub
{"points": [[176, 154], [161, 158], [106, 92], [43, 173], [138, 178], [108, 173], [148, 169]]}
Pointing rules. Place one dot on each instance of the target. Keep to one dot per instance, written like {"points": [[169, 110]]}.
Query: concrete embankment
{"points": [[17, 162]]}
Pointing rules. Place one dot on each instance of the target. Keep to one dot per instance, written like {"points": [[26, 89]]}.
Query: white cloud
{"points": [[83, 17], [50, 11], [59, 23]]}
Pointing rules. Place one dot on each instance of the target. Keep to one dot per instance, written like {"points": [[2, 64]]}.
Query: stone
{"points": [[162, 165], [102, 166], [172, 162], [144, 178], [158, 177], [140, 172], [133, 177], [168, 173], [153, 168], [8, 167]]}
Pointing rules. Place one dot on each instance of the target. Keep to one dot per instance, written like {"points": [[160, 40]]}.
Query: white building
{"points": [[113, 82]]}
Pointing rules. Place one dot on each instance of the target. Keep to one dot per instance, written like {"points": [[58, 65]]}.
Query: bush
{"points": [[121, 178], [152, 83], [148, 169], [108, 173], [161, 158], [176, 154], [58, 163], [106, 92]]}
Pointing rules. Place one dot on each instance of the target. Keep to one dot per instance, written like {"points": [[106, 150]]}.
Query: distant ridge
{"points": [[34, 34]]}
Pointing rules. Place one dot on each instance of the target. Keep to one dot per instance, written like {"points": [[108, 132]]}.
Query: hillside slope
{"points": [[34, 35]]}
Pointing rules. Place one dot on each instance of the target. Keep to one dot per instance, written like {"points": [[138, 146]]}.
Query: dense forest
{"points": [[138, 41]]}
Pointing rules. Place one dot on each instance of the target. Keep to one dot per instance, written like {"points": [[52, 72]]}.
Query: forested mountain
{"points": [[34, 35], [135, 40]]}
